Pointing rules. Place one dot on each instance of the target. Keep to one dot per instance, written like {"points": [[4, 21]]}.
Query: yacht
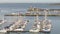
{"points": [[46, 24], [3, 31], [19, 29], [21, 26], [2, 21], [24, 24], [36, 26]]}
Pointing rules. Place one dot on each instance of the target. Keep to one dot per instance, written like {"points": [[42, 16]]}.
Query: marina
{"points": [[29, 22], [17, 26], [37, 27]]}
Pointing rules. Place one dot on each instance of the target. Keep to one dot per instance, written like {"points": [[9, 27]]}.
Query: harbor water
{"points": [[22, 8]]}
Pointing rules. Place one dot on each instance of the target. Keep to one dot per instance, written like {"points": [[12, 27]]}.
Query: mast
{"points": [[37, 15], [46, 13], [36, 18], [3, 18]]}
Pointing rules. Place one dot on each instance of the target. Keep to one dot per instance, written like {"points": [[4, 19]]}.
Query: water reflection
{"points": [[24, 33], [46, 33], [39, 33], [34, 33], [2, 33], [13, 33]]}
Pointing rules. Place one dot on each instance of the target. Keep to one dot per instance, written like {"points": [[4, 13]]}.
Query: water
{"points": [[22, 8]]}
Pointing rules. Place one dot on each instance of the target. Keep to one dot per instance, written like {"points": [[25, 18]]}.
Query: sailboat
{"points": [[17, 26], [46, 23], [2, 21], [22, 25], [6, 28], [36, 26]]}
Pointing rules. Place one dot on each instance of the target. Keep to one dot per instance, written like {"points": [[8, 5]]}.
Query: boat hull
{"points": [[3, 31], [34, 30], [19, 29]]}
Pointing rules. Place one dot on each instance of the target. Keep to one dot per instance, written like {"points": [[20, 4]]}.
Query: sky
{"points": [[29, 1]]}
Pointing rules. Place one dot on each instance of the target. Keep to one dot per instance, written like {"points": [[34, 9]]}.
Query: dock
{"points": [[29, 15], [15, 27], [32, 11], [28, 31]]}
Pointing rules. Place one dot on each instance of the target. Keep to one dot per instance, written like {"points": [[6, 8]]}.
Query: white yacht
{"points": [[3, 30], [24, 24], [21, 26], [46, 24], [2, 21], [19, 29], [36, 26]]}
